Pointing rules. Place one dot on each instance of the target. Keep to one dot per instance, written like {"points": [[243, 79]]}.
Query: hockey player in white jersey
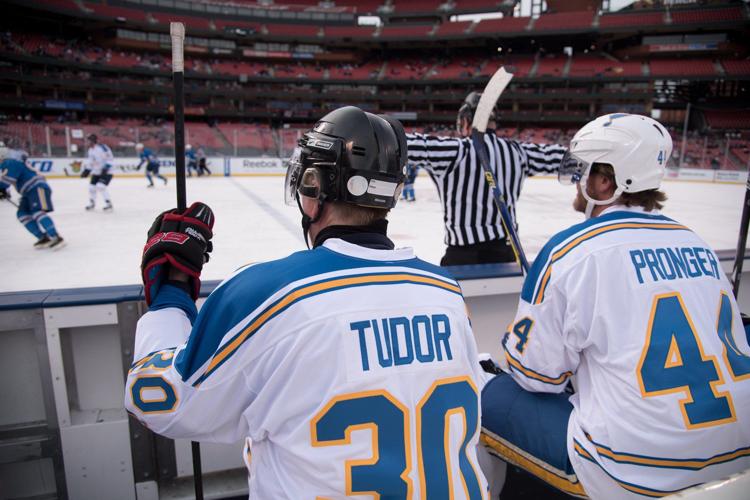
{"points": [[98, 165], [635, 310], [351, 366]]}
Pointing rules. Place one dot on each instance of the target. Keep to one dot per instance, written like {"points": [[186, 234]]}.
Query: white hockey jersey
{"points": [[353, 371], [99, 157], [637, 307]]}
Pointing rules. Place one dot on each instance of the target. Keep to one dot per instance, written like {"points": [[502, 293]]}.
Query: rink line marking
{"points": [[278, 216]]}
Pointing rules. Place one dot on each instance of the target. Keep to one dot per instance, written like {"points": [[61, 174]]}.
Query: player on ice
{"points": [[634, 310], [152, 164], [35, 203], [200, 155], [98, 165], [411, 177], [473, 231], [350, 349], [191, 164]]}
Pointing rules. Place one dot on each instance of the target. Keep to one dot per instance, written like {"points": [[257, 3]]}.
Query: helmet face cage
{"points": [[307, 174], [572, 169]]}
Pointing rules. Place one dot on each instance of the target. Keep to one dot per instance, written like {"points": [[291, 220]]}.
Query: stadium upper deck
{"points": [[291, 61]]}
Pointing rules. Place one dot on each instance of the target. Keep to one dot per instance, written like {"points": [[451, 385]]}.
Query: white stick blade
{"points": [[490, 95]]}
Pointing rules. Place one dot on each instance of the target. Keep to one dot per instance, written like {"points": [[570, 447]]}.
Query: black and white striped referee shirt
{"points": [[470, 215]]}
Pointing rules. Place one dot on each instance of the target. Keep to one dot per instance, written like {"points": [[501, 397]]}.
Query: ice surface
{"points": [[253, 224]]}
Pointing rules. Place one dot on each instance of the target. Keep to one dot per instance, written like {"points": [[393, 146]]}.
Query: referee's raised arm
{"points": [[435, 154]]}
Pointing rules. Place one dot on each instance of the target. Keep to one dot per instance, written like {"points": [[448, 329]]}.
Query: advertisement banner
{"points": [[254, 166], [695, 174], [72, 167], [730, 176]]}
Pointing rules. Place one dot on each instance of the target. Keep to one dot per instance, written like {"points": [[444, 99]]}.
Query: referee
{"points": [[473, 231]]}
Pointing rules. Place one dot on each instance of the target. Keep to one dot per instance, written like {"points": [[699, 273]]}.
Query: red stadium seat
{"points": [[682, 67], [589, 65], [564, 21], [292, 31], [738, 67], [503, 25], [706, 16], [551, 65], [406, 31], [354, 32], [452, 28], [629, 20]]}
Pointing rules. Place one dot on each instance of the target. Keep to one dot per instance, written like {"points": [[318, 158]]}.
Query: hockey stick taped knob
{"points": [[177, 32]]}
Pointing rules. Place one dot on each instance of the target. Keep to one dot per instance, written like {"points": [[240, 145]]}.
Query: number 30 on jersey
{"points": [[386, 473]]}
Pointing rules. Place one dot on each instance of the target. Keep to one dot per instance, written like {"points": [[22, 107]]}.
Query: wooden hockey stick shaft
{"points": [[177, 32], [739, 257], [477, 139]]}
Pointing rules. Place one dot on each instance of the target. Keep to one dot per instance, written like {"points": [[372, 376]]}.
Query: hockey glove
{"points": [[85, 173], [179, 240], [4, 194]]}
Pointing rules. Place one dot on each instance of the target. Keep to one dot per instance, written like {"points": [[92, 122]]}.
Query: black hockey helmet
{"points": [[93, 138], [351, 156], [468, 108]]}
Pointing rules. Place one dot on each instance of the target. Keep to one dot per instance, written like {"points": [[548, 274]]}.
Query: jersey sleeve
{"points": [[161, 390], [542, 158], [435, 154], [540, 345]]}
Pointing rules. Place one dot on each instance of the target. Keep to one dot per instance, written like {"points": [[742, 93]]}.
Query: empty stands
{"points": [[707, 15], [631, 20], [502, 26], [564, 21], [736, 67], [590, 65], [682, 67], [551, 65]]}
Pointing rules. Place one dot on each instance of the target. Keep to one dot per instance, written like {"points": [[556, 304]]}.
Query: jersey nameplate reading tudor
{"points": [[402, 340]]}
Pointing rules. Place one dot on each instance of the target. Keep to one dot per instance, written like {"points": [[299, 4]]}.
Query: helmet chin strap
{"points": [[591, 202], [308, 221]]}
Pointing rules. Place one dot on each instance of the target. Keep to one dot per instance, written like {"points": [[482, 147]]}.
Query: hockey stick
{"points": [[739, 258], [177, 32], [491, 93], [11, 202]]}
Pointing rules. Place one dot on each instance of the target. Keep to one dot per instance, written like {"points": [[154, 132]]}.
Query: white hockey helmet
{"points": [[637, 147], [188, 147], [139, 146]]}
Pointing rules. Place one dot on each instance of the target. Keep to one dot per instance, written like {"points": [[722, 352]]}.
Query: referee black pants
{"points": [[487, 252]]}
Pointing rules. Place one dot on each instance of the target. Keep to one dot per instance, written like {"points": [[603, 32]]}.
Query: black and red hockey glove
{"points": [[177, 240]]}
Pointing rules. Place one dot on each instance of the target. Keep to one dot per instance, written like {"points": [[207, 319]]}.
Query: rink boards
{"points": [[228, 166], [64, 355], [126, 166]]}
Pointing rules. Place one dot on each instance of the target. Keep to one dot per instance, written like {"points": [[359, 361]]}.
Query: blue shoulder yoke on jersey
{"points": [[234, 300], [543, 261], [19, 174]]}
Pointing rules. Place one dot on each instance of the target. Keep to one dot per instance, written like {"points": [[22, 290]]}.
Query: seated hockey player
{"points": [[35, 203], [635, 310], [351, 366]]}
